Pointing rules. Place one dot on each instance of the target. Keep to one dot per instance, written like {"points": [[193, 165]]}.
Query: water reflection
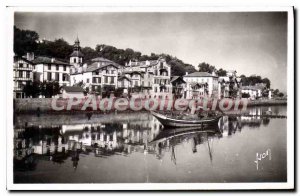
{"points": [[58, 143]]}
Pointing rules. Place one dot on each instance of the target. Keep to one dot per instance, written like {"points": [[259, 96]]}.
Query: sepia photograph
{"points": [[198, 98]]}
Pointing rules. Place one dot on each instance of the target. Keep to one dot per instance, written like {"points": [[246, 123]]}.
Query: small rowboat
{"points": [[169, 121]]}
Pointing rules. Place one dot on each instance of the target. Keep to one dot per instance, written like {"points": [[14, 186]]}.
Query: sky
{"points": [[248, 42]]}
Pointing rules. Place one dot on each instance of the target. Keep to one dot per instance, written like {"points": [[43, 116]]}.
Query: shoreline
{"points": [[41, 106]]}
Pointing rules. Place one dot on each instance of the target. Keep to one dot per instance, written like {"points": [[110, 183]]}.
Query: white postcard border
{"points": [[150, 186]]}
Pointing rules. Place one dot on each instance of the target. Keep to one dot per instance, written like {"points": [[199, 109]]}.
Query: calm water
{"points": [[134, 147]]}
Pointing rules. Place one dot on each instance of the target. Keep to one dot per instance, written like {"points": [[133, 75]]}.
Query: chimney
{"points": [[30, 56]]}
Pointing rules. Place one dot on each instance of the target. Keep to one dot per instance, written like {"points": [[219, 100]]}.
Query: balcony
{"points": [[22, 78], [23, 68]]}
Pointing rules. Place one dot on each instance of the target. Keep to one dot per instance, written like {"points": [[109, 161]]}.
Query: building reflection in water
{"points": [[59, 143]]}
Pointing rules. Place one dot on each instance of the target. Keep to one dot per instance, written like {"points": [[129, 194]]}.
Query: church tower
{"points": [[76, 58]]}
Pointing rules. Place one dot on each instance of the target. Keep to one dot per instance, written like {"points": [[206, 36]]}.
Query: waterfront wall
{"points": [[42, 105], [267, 102], [32, 105]]}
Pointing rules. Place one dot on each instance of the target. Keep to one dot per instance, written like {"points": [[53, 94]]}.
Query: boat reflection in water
{"points": [[60, 142]]}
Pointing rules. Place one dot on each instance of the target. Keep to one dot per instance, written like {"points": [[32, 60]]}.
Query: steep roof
{"points": [[174, 78], [101, 59], [76, 54], [16, 58], [48, 60], [73, 89], [95, 66], [200, 74], [144, 63]]}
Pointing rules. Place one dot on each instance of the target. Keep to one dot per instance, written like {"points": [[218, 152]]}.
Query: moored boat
{"points": [[173, 121]]}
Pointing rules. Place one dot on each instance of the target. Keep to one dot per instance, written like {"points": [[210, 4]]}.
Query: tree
{"points": [[276, 92], [32, 89], [24, 41], [49, 88], [205, 67], [89, 53], [267, 82], [58, 48], [222, 72]]}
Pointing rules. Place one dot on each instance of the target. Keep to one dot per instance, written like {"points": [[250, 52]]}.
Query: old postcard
{"points": [[165, 98]]}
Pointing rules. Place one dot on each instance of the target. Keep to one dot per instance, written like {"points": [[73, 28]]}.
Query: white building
{"points": [[51, 69], [202, 84], [254, 92], [152, 76], [99, 74], [23, 73]]}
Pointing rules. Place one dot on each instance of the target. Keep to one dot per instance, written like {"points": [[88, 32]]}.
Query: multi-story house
{"points": [[51, 69], [201, 84], [179, 87], [100, 74], [23, 73], [229, 85], [162, 87], [155, 77]]}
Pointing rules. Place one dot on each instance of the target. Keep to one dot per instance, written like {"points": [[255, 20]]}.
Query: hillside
{"points": [[28, 41]]}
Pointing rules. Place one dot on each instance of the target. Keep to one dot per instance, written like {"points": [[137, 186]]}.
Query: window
{"points": [[74, 60], [87, 80], [27, 74], [65, 68], [94, 80], [49, 76], [20, 74], [65, 77], [105, 79], [112, 71], [57, 76], [49, 67], [112, 80], [57, 67], [21, 65]]}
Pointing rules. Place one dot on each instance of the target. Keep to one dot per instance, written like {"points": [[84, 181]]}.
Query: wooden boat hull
{"points": [[169, 133], [170, 122]]}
